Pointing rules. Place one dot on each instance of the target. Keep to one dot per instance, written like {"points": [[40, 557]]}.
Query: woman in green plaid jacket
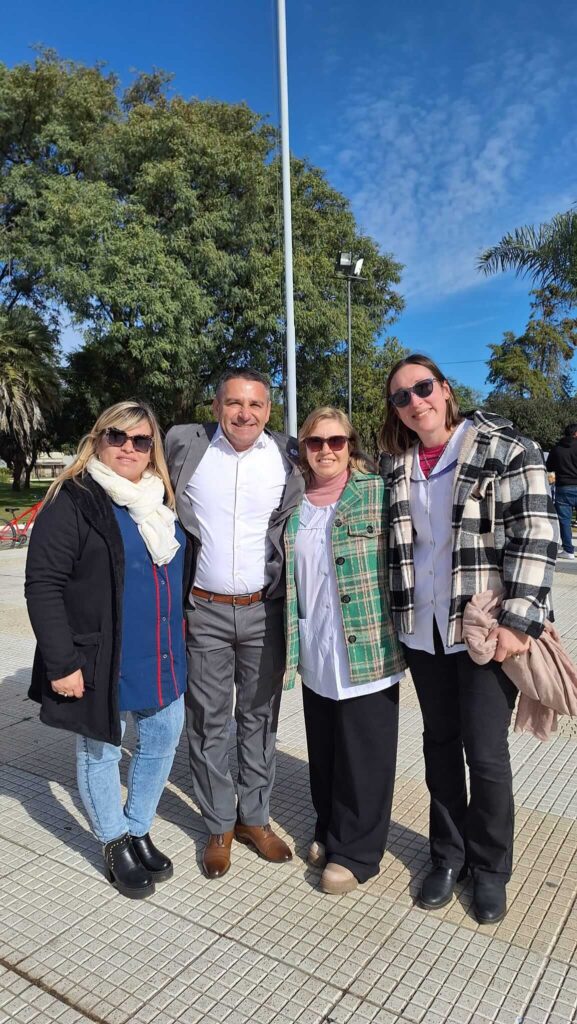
{"points": [[470, 512], [341, 640]]}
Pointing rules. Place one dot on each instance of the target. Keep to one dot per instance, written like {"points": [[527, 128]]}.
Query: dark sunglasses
{"points": [[422, 389], [335, 443], [117, 438]]}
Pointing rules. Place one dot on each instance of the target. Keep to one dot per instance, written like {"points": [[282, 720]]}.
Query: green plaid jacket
{"points": [[359, 538]]}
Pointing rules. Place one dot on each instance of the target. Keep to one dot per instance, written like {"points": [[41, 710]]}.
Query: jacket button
{"points": [[370, 529], [340, 560], [338, 522], [352, 639], [345, 598]]}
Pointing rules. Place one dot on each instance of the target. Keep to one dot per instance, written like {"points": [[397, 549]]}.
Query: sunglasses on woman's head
{"points": [[335, 443], [422, 389], [117, 438]]}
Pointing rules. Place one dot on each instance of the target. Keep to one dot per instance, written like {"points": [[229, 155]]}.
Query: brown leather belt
{"points": [[242, 599]]}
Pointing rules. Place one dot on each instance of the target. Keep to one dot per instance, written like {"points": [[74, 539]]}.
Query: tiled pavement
{"points": [[263, 944]]}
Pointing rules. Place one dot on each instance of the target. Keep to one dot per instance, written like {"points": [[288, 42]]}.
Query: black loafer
{"points": [[124, 870], [438, 886], [489, 900], [156, 863]]}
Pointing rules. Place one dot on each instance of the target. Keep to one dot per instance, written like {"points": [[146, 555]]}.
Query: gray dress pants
{"points": [[230, 647]]}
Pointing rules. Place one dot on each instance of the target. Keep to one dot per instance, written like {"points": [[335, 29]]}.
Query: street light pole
{"points": [[349, 267], [291, 389]]}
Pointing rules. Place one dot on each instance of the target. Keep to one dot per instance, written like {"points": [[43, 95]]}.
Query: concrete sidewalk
{"points": [[264, 944]]}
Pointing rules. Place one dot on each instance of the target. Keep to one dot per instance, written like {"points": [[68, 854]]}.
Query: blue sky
{"points": [[446, 124]]}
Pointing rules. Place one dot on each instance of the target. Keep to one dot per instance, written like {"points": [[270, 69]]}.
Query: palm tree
{"points": [[547, 253], [29, 386]]}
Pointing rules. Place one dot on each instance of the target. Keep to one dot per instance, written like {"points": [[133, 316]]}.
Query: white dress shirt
{"points": [[233, 494], [323, 663], [432, 516]]}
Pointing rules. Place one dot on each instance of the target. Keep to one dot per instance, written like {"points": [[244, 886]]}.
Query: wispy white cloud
{"points": [[438, 175]]}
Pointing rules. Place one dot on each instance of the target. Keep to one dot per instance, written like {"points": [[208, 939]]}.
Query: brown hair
{"points": [[357, 458], [394, 437], [124, 416]]}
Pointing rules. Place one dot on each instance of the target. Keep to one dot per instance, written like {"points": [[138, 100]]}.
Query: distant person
{"points": [[105, 577], [562, 461], [236, 483], [470, 512], [341, 637]]}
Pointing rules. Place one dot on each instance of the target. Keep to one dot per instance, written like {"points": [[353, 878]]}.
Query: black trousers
{"points": [[466, 712], [352, 746]]}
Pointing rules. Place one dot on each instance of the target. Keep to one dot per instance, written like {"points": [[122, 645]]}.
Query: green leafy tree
{"points": [[155, 223], [534, 365], [369, 391], [547, 253], [543, 421], [468, 398], [29, 388]]}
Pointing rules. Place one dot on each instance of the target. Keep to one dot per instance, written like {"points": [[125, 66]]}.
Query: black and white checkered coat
{"points": [[505, 530]]}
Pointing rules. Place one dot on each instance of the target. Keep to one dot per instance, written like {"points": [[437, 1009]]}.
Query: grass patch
{"points": [[21, 500]]}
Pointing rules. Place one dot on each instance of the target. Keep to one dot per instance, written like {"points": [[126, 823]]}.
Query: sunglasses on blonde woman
{"points": [[422, 389], [336, 443], [117, 438]]}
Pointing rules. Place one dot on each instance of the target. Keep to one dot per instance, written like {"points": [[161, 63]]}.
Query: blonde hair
{"points": [[122, 416], [357, 458], [395, 438]]}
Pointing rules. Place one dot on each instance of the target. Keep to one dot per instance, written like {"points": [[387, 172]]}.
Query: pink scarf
{"points": [[544, 674], [325, 492]]}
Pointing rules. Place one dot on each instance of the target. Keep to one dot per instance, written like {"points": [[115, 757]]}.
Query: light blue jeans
{"points": [[97, 766]]}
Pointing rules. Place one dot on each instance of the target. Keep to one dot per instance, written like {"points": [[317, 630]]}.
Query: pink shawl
{"points": [[544, 674]]}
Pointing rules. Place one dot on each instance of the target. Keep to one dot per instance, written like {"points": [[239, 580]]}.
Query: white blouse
{"points": [[323, 663], [432, 516]]}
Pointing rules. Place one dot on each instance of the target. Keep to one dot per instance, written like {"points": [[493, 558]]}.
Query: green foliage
{"points": [[547, 253], [544, 421], [29, 386], [468, 398], [156, 223], [369, 391], [533, 365]]}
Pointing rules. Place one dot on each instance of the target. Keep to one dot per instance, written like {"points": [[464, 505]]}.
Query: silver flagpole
{"points": [[291, 381]]}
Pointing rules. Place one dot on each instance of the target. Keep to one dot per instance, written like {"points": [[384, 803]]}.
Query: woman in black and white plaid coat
{"points": [[470, 511]]}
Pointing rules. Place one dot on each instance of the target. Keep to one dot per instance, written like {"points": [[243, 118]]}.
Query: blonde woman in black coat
{"points": [[104, 586]]}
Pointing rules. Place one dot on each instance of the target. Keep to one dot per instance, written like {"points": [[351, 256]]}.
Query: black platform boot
{"points": [[155, 862], [125, 871]]}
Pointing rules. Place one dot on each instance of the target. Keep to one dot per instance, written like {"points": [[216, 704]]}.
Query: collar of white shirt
{"points": [[220, 439]]}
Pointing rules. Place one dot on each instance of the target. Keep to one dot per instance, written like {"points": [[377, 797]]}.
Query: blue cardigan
{"points": [[153, 656]]}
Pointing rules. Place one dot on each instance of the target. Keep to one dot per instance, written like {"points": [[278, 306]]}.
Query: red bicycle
{"points": [[14, 532]]}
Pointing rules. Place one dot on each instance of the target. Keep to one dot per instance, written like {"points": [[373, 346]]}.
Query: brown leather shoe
{"points": [[264, 841], [216, 856]]}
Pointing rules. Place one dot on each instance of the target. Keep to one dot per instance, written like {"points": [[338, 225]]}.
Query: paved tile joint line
{"points": [[264, 944]]}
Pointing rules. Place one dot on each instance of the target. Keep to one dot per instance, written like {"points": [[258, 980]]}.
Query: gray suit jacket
{"points": [[185, 446]]}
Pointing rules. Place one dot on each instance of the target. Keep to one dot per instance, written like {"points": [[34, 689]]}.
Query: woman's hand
{"points": [[69, 686], [510, 642]]}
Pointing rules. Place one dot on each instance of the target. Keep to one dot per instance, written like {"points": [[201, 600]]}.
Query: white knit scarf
{"points": [[144, 502]]}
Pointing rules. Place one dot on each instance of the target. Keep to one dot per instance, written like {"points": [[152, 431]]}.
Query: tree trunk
{"points": [[29, 465], [17, 473]]}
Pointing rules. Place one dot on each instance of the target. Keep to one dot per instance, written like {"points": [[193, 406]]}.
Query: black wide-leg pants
{"points": [[466, 712], [352, 747]]}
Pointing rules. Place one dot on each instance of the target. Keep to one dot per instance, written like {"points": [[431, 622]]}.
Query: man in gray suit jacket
{"points": [[235, 484]]}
